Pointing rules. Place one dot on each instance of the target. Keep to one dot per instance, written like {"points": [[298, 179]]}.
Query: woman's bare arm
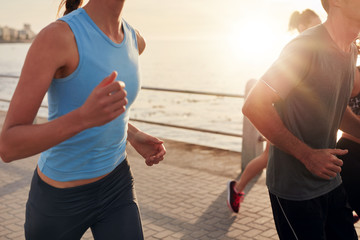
{"points": [[52, 54]]}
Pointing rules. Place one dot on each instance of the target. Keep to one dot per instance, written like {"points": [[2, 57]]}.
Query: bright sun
{"points": [[256, 39]]}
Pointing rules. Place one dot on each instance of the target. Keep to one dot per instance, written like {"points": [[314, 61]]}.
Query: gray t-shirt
{"points": [[314, 79]]}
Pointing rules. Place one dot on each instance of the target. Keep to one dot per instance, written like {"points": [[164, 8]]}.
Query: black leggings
{"points": [[107, 206], [350, 171], [327, 217]]}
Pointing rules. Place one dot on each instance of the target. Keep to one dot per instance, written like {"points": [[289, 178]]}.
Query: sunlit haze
{"points": [[247, 31], [199, 45], [169, 15], [249, 27]]}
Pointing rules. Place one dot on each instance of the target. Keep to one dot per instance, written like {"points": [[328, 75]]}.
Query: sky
{"points": [[184, 17], [248, 27], [37, 12]]}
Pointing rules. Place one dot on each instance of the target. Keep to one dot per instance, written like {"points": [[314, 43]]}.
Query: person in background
{"points": [[87, 62], [304, 20], [351, 167], [235, 189]]}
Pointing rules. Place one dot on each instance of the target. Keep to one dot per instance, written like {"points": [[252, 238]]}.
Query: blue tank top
{"points": [[95, 151]]}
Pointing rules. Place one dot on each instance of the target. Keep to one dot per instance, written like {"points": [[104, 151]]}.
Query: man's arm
{"points": [[350, 123], [259, 108]]}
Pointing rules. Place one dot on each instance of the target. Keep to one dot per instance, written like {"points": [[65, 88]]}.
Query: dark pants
{"points": [[350, 172], [325, 217], [107, 206]]}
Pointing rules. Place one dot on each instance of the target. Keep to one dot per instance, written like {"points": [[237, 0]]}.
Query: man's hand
{"points": [[324, 163]]}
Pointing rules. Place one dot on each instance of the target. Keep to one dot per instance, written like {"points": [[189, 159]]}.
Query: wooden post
{"points": [[252, 144]]}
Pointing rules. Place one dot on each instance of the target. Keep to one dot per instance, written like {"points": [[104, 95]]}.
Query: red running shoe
{"points": [[234, 199]]}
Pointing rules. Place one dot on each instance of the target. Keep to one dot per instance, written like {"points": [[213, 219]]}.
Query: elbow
{"points": [[245, 109], [4, 153], [248, 108], [5, 160]]}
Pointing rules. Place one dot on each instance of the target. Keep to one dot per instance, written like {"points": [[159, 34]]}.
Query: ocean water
{"points": [[187, 64], [202, 45]]}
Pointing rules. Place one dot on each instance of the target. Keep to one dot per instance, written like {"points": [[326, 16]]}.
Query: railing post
{"points": [[252, 145]]}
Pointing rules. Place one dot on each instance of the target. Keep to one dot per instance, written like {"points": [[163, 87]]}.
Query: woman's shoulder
{"points": [[136, 35], [55, 41], [57, 33]]}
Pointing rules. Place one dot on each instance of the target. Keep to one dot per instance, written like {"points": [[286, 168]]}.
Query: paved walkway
{"points": [[182, 198]]}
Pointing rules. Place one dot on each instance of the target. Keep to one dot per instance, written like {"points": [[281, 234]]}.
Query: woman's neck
{"points": [[107, 16]]}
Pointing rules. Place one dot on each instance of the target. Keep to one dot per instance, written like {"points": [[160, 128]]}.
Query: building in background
{"points": [[9, 35]]}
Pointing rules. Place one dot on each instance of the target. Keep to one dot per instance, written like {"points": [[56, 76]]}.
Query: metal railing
{"points": [[215, 94], [252, 140]]}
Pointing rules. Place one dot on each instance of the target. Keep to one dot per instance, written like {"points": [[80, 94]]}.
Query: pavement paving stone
{"points": [[182, 198]]}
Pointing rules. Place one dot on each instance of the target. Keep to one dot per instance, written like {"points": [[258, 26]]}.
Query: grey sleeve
{"points": [[289, 69]]}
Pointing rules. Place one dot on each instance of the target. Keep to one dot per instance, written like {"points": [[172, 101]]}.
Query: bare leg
{"points": [[254, 167]]}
